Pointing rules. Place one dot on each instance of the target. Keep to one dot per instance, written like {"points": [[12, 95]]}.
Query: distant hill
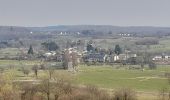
{"points": [[103, 28], [96, 29], [9, 32]]}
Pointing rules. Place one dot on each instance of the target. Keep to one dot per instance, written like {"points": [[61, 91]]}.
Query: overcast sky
{"points": [[85, 12]]}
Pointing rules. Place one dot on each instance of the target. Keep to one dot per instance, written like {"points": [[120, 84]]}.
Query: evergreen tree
{"points": [[51, 46], [30, 51], [117, 49], [90, 47]]}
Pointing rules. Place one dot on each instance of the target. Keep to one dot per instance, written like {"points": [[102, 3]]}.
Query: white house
{"points": [[157, 58], [124, 56], [49, 54], [160, 57]]}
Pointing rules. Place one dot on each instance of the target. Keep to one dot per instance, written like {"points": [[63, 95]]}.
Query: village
{"points": [[84, 50], [72, 57]]}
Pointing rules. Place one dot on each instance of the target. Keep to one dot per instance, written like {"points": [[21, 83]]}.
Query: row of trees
{"points": [[50, 46], [117, 50], [150, 41]]}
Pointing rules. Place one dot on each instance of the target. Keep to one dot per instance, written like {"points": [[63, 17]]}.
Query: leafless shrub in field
{"points": [[25, 71], [7, 90], [89, 93], [35, 69], [164, 94], [45, 87], [9, 95], [43, 66], [62, 90], [124, 94], [50, 72], [167, 75], [28, 91]]}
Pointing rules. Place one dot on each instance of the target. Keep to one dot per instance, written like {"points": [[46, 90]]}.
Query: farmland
{"points": [[147, 82], [110, 76], [107, 76]]}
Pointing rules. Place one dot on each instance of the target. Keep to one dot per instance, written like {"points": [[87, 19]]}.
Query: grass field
{"points": [[148, 83], [109, 77], [16, 63]]}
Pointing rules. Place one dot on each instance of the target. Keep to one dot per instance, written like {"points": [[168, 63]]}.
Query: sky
{"points": [[85, 12]]}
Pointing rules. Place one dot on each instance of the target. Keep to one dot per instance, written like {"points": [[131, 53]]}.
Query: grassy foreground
{"points": [[109, 77], [148, 83]]}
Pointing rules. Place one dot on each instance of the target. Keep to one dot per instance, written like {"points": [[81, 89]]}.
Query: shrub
{"points": [[25, 71], [147, 41], [29, 91], [90, 93], [152, 65], [124, 94], [164, 94]]}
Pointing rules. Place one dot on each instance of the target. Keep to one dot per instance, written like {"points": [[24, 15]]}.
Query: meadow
{"points": [[110, 77], [147, 83], [104, 76]]}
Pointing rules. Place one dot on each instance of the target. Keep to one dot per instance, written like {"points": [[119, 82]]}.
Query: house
{"points": [[167, 57], [49, 54], [161, 57], [95, 57], [52, 56], [59, 57], [110, 58], [157, 58], [125, 34], [124, 56]]}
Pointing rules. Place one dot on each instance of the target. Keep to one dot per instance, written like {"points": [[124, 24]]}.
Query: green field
{"points": [[147, 83], [5, 64], [104, 76], [109, 77]]}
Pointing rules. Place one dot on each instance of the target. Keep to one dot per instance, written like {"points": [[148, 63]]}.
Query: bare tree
{"points": [[25, 71], [7, 88], [163, 94], [62, 88], [28, 91], [124, 94], [66, 59], [74, 60], [35, 69], [50, 72], [45, 87]]}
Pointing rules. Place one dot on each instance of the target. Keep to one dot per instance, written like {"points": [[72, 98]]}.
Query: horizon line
{"points": [[84, 25]]}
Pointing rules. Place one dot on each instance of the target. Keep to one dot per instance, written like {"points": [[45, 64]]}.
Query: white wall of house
{"points": [[116, 58], [157, 58]]}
